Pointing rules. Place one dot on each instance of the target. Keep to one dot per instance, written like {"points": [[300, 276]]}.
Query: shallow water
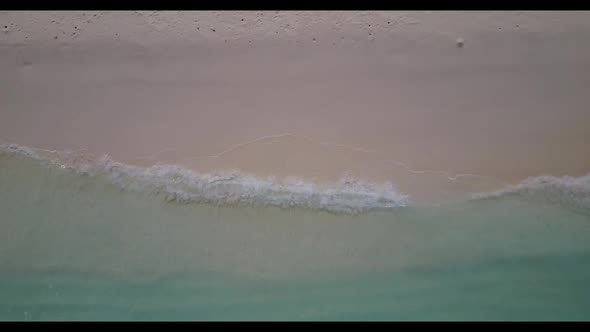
{"points": [[78, 246], [536, 288]]}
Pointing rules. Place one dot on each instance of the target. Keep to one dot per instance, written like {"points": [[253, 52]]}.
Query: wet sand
{"points": [[413, 98]]}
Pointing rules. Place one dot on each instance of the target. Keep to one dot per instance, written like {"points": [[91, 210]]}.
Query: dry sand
{"points": [[383, 95]]}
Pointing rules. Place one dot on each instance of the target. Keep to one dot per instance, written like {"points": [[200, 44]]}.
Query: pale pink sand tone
{"points": [[383, 95]]}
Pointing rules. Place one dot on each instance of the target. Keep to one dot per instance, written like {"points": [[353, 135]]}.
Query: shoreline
{"points": [[349, 194], [509, 104]]}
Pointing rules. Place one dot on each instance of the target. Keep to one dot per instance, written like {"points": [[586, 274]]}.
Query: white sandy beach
{"points": [[408, 97]]}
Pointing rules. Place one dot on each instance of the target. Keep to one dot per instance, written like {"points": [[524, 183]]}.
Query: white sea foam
{"points": [[19, 149], [178, 184], [573, 191], [349, 195]]}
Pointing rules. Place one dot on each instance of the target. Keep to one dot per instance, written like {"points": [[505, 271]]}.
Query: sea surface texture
{"points": [[111, 241]]}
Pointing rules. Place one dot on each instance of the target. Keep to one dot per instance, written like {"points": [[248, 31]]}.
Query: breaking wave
{"points": [[565, 190], [182, 185]]}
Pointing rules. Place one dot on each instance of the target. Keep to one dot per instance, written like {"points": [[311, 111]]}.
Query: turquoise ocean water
{"points": [[77, 245]]}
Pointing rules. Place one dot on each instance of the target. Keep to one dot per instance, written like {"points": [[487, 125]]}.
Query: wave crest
{"points": [[182, 185], [567, 190]]}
